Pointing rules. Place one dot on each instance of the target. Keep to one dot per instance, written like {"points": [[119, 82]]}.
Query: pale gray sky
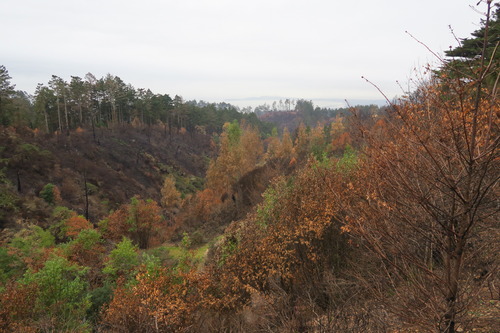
{"points": [[225, 50]]}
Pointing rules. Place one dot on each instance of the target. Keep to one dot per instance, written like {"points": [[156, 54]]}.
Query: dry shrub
{"points": [[71, 191]]}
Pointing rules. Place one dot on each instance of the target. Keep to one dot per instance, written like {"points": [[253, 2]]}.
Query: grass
{"points": [[198, 254]]}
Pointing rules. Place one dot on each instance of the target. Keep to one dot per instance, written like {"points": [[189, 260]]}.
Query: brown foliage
{"points": [[170, 196], [302, 142], [75, 224], [205, 203], [141, 221], [16, 306], [341, 141], [161, 301], [424, 195], [235, 158], [280, 254]]}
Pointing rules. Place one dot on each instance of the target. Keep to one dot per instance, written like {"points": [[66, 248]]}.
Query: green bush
{"points": [[8, 202], [7, 262], [28, 245], [348, 161], [88, 238], [99, 297], [47, 193], [32, 239], [58, 222], [122, 261], [266, 211], [62, 297]]}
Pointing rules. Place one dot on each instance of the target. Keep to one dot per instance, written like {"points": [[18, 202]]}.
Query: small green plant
{"points": [[272, 195], [150, 262], [186, 241], [91, 188], [3, 176], [348, 161], [229, 246], [322, 161], [50, 193], [58, 222]]}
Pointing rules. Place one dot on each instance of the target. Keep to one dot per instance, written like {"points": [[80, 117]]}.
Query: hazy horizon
{"points": [[225, 50]]}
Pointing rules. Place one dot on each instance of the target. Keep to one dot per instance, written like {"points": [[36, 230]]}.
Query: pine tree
{"points": [[6, 94], [468, 57]]}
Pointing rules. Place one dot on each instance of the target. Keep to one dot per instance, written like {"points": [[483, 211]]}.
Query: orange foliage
{"points": [[87, 255], [301, 146], [280, 149], [222, 172], [316, 136], [251, 149], [160, 301], [293, 237], [422, 201], [337, 127], [141, 221], [170, 196], [35, 258], [205, 202], [237, 156], [286, 149], [75, 224], [16, 306], [57, 194], [341, 141], [273, 145]]}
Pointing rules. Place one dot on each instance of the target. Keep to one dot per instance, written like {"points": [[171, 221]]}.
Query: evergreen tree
{"points": [[466, 58], [6, 93]]}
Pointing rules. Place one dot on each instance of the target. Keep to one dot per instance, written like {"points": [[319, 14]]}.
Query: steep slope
{"points": [[114, 165]]}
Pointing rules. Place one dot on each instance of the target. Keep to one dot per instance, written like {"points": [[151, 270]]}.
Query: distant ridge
{"points": [[321, 102]]}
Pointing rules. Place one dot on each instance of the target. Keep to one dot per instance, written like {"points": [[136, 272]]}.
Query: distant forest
{"points": [[62, 106]]}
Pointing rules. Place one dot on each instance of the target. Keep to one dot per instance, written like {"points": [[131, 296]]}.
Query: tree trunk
{"points": [[59, 115], [86, 196], [19, 189], [46, 119], [81, 114], [66, 113]]}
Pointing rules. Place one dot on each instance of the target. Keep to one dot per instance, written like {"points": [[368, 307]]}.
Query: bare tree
{"points": [[426, 200]]}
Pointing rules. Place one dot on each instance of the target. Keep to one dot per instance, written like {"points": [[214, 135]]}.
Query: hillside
{"points": [[118, 164], [127, 211]]}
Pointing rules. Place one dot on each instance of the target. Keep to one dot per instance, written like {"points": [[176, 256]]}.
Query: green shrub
{"points": [[58, 222], [50, 193], [122, 261], [29, 245], [7, 262], [88, 238], [348, 161], [32, 239], [8, 202], [62, 297], [98, 297]]}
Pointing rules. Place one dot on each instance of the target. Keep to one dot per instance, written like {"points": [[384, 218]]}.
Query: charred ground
{"points": [[115, 164]]}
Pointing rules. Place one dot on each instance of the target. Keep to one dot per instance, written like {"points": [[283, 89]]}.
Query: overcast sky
{"points": [[231, 50]]}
